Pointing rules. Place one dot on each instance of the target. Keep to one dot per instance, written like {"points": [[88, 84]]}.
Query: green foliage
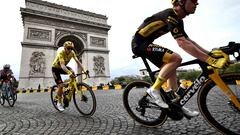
{"points": [[233, 68], [189, 75], [147, 78], [125, 79]]}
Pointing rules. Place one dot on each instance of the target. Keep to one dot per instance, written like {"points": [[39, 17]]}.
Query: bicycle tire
{"points": [[216, 108], [10, 97], [2, 98], [85, 107], [53, 94], [135, 108]]}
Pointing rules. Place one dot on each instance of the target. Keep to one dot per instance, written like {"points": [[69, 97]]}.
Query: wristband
{"points": [[210, 60]]}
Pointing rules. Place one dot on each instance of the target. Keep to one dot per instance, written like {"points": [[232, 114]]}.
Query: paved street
{"points": [[34, 114]]}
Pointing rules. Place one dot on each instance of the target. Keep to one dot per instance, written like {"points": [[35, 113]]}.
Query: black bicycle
{"points": [[8, 92], [218, 97]]}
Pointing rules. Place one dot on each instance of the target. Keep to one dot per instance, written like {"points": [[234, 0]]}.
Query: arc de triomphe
{"points": [[46, 27]]}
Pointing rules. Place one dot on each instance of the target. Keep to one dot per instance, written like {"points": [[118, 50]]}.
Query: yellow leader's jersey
{"points": [[63, 56]]}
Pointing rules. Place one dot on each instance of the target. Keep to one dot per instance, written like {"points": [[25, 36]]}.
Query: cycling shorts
{"points": [[157, 54], [57, 74]]}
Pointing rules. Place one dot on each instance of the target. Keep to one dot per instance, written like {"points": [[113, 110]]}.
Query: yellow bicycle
{"points": [[82, 94]]}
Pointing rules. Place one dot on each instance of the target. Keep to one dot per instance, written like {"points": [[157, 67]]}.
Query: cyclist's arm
{"points": [[198, 46], [189, 47], [79, 63], [63, 66]]}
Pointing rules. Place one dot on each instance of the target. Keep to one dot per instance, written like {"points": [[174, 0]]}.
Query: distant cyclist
{"points": [[59, 67], [170, 20], [6, 75]]}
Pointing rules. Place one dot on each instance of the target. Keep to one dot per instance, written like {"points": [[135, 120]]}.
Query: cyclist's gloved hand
{"points": [[217, 53], [71, 75], [87, 72], [218, 63]]}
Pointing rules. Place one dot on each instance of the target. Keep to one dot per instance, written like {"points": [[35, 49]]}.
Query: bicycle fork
{"points": [[77, 90], [231, 96]]}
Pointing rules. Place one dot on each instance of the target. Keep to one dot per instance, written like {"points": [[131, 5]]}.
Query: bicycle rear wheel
{"points": [[217, 108], [142, 108], [85, 100]]}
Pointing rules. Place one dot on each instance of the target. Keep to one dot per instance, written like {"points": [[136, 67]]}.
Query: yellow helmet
{"points": [[173, 1], [69, 45]]}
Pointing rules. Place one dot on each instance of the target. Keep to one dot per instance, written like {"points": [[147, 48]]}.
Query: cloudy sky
{"points": [[215, 23]]}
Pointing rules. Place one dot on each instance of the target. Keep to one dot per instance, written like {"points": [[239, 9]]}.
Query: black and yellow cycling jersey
{"points": [[160, 24], [152, 28], [63, 56]]}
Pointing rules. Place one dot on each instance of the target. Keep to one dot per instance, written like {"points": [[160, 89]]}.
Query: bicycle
{"points": [[210, 98], [8, 93], [83, 96]]}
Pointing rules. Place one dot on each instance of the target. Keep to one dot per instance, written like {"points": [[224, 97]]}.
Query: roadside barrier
{"points": [[105, 88]]}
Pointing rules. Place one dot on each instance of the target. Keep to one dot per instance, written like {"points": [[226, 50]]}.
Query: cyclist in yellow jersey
{"points": [[170, 20], [59, 67]]}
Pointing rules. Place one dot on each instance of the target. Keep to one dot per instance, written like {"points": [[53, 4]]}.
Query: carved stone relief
{"points": [[97, 42], [39, 34], [98, 66], [37, 64]]}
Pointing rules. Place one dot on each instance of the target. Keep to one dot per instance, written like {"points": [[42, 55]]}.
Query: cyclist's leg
{"points": [[4, 87], [166, 60], [57, 77], [161, 57]]}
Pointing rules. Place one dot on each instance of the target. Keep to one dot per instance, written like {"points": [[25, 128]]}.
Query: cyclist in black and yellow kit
{"points": [[59, 67], [170, 20]]}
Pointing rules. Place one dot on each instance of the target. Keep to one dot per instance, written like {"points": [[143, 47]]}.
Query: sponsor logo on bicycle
{"points": [[195, 86]]}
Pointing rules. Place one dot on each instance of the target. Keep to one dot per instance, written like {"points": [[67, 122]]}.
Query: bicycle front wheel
{"points": [[10, 97], [142, 108], [2, 98], [217, 109], [85, 100]]}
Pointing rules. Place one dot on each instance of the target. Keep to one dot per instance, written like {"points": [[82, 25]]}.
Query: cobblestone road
{"points": [[34, 114]]}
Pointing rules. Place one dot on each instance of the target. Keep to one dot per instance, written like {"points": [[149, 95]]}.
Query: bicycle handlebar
{"points": [[85, 73], [232, 49]]}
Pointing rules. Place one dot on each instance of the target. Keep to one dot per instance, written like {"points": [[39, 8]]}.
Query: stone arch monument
{"points": [[46, 27]]}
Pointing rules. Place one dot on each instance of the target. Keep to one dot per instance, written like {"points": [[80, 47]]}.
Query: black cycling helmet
{"points": [[181, 3], [6, 66]]}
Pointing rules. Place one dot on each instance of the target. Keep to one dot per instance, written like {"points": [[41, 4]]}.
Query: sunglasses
{"points": [[69, 48]]}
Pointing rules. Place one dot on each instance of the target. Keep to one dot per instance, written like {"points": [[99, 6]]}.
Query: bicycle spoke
{"points": [[142, 108], [84, 100]]}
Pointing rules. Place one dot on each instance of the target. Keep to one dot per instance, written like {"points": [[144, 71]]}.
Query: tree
{"points": [[189, 75]]}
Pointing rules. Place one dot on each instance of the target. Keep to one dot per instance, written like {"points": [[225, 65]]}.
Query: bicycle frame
{"points": [[206, 74], [72, 84]]}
